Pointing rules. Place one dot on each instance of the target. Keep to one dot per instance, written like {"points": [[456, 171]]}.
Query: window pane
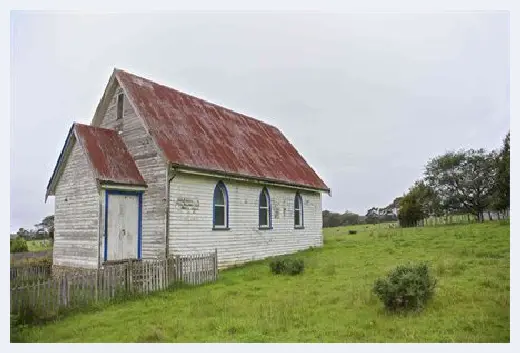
{"points": [[296, 202], [296, 218], [219, 196], [220, 216], [264, 221], [263, 199]]}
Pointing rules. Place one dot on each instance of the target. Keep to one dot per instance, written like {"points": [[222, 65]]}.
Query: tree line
{"points": [[469, 181], [374, 215], [42, 230]]}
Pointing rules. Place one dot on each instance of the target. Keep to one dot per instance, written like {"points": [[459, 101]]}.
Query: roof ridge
{"points": [[197, 98]]}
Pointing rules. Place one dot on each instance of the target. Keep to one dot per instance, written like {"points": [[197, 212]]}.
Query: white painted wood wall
{"points": [[76, 214], [152, 168], [191, 220]]}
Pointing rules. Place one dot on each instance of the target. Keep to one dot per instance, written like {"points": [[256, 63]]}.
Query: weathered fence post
{"points": [[63, 291], [130, 276], [215, 265], [96, 298], [181, 270]]}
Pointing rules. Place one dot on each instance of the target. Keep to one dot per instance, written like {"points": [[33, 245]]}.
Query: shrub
{"points": [[352, 232], [287, 266], [407, 287], [295, 267], [19, 245]]}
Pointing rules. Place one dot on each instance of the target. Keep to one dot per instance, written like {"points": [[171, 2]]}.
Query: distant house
{"points": [[159, 172]]}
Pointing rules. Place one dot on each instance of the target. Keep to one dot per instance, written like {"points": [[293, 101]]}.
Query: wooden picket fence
{"points": [[25, 274], [48, 297]]}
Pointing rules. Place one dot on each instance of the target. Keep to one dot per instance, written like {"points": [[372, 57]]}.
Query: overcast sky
{"points": [[367, 99]]}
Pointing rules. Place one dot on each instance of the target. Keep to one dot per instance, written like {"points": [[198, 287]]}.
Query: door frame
{"points": [[139, 195]]}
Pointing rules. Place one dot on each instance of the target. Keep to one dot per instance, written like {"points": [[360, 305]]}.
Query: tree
{"points": [[331, 219], [47, 224], [372, 216], [415, 205], [427, 199], [464, 181], [502, 185]]}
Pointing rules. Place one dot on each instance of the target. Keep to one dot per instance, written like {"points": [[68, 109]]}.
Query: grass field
{"points": [[39, 245], [330, 302]]}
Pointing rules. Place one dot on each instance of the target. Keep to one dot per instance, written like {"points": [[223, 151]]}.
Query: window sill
{"points": [[265, 228], [221, 228], [299, 227]]}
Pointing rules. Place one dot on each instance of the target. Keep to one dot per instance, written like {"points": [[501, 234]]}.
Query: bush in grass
{"points": [[287, 266], [407, 287], [19, 245], [352, 232]]}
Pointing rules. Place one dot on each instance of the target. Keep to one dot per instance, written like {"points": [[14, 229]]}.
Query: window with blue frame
{"points": [[264, 209], [220, 207], [298, 211]]}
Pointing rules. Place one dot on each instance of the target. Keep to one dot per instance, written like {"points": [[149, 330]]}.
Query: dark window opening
{"points": [[220, 207], [120, 101], [264, 210], [298, 211]]}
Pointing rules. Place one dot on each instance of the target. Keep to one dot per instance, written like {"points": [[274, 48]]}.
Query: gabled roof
{"points": [[108, 157], [194, 133]]}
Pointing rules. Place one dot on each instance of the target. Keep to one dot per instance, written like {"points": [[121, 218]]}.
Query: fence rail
{"points": [[129, 278]]}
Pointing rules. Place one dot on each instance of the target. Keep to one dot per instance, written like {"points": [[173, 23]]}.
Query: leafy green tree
{"points": [[48, 225], [331, 219], [464, 180], [502, 186], [427, 198], [411, 206]]}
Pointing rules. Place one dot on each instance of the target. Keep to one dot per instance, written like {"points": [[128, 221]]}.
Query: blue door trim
{"points": [[139, 195]]}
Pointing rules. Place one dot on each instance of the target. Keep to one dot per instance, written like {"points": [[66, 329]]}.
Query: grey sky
{"points": [[367, 99]]}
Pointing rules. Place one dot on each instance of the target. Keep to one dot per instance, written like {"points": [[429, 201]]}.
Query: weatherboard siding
{"points": [[152, 168], [76, 214], [191, 220]]}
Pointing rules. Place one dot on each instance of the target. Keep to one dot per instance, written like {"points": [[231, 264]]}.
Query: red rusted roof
{"points": [[195, 133], [108, 155]]}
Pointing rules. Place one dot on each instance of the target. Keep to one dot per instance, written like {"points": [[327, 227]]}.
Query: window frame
{"points": [[269, 224], [221, 187], [298, 199]]}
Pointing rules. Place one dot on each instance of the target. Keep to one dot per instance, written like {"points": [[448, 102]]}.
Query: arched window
{"points": [[298, 211], [264, 210], [220, 207]]}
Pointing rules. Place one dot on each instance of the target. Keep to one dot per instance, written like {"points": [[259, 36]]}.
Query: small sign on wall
{"points": [[187, 203]]}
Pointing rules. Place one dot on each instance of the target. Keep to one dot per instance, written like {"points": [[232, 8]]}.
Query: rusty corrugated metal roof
{"points": [[195, 133], [108, 155]]}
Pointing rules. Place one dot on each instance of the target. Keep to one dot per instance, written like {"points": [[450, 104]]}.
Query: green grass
{"points": [[330, 302], [39, 245]]}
